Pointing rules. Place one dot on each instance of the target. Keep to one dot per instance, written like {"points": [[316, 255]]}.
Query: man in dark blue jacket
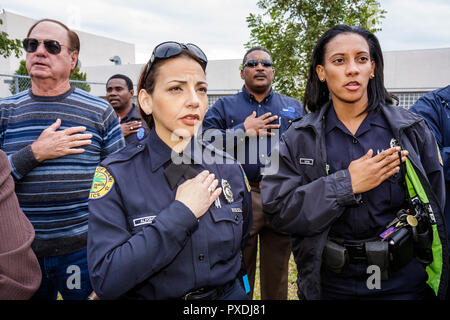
{"points": [[434, 108], [248, 121]]}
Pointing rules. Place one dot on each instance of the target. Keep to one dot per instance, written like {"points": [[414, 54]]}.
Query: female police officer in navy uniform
{"points": [[167, 219], [339, 185]]}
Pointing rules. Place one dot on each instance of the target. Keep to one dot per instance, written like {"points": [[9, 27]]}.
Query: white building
{"points": [[408, 74], [94, 50]]}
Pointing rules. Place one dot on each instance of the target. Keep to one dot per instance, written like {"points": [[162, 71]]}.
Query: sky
{"points": [[219, 27]]}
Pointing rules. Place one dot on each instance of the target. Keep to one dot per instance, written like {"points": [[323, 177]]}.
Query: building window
{"points": [[407, 99]]}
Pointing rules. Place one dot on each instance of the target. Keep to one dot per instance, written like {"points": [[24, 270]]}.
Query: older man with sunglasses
{"points": [[248, 121], [55, 135]]}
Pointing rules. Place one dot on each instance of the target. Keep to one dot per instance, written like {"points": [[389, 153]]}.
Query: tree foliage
{"points": [[22, 83], [9, 46], [80, 76], [25, 83], [289, 29]]}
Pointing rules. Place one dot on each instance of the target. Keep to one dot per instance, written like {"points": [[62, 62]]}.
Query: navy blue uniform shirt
{"points": [[379, 205], [144, 244], [228, 115], [134, 115]]}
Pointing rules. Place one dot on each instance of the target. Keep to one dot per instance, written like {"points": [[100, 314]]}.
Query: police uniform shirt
{"points": [[144, 244], [229, 113], [379, 205]]}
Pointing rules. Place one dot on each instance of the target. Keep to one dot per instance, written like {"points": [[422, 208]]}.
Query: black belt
{"points": [[356, 250], [208, 293]]}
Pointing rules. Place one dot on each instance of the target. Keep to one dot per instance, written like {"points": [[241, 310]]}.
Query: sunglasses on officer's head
{"points": [[52, 46], [253, 63], [171, 49]]}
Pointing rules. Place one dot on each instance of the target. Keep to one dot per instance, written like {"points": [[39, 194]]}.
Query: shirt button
{"points": [[139, 146], [201, 257], [236, 218], [259, 105], [355, 141]]}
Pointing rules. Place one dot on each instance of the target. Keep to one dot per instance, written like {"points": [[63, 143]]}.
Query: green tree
{"points": [[289, 29], [80, 76], [25, 83], [9, 46], [22, 83]]}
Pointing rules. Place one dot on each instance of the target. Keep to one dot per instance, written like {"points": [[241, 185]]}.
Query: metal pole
{"points": [[16, 82]]}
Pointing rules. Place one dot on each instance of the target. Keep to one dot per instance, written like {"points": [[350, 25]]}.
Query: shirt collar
{"points": [[162, 153], [373, 118], [132, 114], [250, 97]]}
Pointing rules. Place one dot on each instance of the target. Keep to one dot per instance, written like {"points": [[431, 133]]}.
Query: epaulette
{"points": [[128, 152]]}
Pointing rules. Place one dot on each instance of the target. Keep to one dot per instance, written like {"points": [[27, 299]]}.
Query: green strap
{"points": [[415, 188]]}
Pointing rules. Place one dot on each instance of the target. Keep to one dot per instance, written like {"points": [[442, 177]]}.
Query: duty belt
{"points": [[339, 253], [208, 293]]}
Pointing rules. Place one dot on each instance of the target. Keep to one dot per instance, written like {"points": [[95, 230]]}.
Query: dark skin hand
{"points": [[255, 126], [130, 127], [369, 171]]}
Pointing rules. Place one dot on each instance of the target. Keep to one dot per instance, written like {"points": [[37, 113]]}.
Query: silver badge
{"points": [[394, 143], [226, 188]]}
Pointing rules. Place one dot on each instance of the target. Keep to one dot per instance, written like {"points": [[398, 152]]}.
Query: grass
{"points": [[292, 280]]}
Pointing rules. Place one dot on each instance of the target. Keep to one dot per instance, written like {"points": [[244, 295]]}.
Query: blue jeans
{"points": [[66, 274]]}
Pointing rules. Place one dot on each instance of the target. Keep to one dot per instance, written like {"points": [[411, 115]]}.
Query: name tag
{"points": [[144, 220], [236, 210], [306, 161]]}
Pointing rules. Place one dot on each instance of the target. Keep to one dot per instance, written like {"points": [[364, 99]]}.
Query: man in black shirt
{"points": [[119, 93]]}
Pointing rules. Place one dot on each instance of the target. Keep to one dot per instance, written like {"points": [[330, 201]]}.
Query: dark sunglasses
{"points": [[52, 46], [172, 49], [253, 63]]}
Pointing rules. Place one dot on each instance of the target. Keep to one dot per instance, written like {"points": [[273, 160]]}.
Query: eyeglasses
{"points": [[52, 46], [254, 63], [170, 49]]}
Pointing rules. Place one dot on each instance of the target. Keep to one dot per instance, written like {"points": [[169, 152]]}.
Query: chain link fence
{"points": [[12, 84]]}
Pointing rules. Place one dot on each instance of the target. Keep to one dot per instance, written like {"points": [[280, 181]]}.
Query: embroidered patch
{"points": [[439, 156], [246, 180], [144, 220], [140, 133], [306, 161], [101, 184]]}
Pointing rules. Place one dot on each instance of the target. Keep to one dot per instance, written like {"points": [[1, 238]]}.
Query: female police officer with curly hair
{"points": [[339, 184], [167, 219]]}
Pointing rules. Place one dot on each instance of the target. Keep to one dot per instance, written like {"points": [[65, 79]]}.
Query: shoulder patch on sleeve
{"points": [[245, 179], [439, 156], [101, 184]]}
